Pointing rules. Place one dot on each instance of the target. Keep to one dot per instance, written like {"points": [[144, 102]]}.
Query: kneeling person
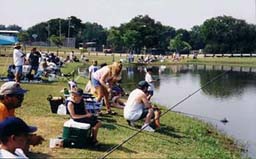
{"points": [[78, 113], [138, 107]]}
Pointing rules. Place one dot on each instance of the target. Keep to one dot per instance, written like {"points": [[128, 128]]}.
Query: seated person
{"points": [[138, 107], [13, 136], [78, 113], [116, 94], [41, 69], [11, 72]]}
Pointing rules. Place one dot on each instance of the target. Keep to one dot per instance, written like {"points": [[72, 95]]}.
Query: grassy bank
{"points": [[234, 61], [179, 137]]}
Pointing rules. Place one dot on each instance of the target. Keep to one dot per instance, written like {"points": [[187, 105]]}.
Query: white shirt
{"points": [[18, 154], [93, 69], [133, 109], [18, 59], [99, 73], [149, 79]]}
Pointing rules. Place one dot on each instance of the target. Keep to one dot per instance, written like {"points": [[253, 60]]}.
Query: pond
{"points": [[231, 97]]}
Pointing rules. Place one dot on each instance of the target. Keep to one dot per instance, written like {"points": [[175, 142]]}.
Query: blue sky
{"points": [[176, 13]]}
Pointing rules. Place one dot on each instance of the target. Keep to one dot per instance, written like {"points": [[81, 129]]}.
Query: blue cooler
{"points": [[75, 134]]}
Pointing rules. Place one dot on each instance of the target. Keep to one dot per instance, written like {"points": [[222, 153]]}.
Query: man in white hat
{"points": [[18, 61], [11, 97]]}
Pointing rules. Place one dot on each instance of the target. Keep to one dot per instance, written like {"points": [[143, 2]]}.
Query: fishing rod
{"points": [[224, 120], [111, 150]]}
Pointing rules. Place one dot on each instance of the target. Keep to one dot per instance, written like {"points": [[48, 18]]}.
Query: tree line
{"points": [[222, 34]]}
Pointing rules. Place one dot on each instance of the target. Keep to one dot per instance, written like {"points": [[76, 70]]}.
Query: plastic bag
{"points": [[62, 110]]}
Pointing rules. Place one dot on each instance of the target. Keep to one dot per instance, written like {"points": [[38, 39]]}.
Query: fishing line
{"points": [[111, 150], [224, 120]]}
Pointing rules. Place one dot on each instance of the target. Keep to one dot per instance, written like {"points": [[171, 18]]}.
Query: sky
{"points": [[176, 13]]}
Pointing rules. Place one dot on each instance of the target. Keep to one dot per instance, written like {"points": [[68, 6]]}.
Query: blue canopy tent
{"points": [[8, 40]]}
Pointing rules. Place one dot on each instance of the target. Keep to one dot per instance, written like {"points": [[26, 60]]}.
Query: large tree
{"points": [[228, 35]]}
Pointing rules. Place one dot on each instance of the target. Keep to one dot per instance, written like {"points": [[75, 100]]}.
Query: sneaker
{"points": [[146, 127], [131, 123]]}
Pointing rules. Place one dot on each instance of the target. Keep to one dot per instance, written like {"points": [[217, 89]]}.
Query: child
{"points": [[149, 79]]}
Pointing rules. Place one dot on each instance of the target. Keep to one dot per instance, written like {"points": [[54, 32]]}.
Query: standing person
{"points": [[150, 80], [11, 97], [78, 112], [93, 68], [138, 107], [34, 60], [13, 136], [102, 79], [18, 61]]}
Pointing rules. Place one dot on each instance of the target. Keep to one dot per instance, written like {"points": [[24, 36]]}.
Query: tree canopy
{"points": [[223, 34]]}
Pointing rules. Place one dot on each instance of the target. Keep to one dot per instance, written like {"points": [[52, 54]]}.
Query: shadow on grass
{"points": [[38, 155], [164, 130], [108, 126], [106, 147]]}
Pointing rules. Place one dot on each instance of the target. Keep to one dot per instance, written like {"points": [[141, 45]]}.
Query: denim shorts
{"points": [[18, 69], [95, 82]]}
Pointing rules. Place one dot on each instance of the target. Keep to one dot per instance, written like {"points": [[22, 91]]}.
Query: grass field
{"points": [[179, 136]]}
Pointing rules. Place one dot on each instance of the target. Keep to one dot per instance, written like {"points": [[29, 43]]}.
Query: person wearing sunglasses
{"points": [[11, 97]]}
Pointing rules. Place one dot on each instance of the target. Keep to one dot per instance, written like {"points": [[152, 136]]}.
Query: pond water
{"points": [[232, 96]]}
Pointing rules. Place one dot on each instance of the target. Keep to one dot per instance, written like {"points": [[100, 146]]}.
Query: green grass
{"points": [[179, 136], [234, 61]]}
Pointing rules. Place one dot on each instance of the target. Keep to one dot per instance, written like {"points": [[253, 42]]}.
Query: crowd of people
{"points": [[16, 136], [36, 64]]}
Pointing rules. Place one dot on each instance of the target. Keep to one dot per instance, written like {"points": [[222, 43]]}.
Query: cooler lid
{"points": [[73, 124]]}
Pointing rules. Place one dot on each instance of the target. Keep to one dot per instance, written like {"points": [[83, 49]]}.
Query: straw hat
{"points": [[17, 44]]}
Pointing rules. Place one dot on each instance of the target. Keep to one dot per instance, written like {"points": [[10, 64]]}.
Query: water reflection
{"points": [[230, 96]]}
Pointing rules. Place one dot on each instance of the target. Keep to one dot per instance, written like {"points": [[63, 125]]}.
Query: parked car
{"points": [[107, 50]]}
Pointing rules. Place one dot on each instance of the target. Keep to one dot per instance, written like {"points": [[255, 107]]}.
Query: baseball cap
{"points": [[142, 84], [14, 126], [78, 91], [11, 88]]}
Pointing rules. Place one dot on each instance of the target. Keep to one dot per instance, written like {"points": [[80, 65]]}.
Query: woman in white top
{"points": [[102, 80]]}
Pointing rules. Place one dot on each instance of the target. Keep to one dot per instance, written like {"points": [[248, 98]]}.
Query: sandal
{"points": [[111, 112], [95, 143]]}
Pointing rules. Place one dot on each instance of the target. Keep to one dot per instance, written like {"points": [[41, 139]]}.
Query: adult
{"points": [[78, 113], [101, 81], [14, 134], [11, 97], [138, 107], [42, 70], [33, 59], [18, 61]]}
